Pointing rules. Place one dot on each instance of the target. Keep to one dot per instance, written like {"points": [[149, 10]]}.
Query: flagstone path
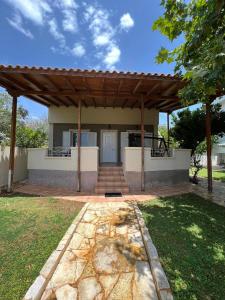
{"points": [[110, 256]]}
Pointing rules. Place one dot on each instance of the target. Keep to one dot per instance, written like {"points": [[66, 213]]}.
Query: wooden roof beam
{"points": [[95, 94], [171, 106], [33, 81], [58, 91], [68, 81], [38, 85], [119, 86], [170, 89], [137, 86], [155, 86], [165, 102], [72, 100], [39, 100], [14, 82]]}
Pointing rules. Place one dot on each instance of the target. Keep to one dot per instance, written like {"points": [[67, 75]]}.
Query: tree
{"points": [[5, 114], [189, 131], [164, 133], [30, 138], [201, 57], [28, 133]]}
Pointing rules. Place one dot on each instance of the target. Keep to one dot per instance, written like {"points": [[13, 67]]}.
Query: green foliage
{"points": [[189, 132], [30, 229], [201, 57], [5, 114], [163, 133], [30, 138], [189, 126], [28, 134], [188, 233], [216, 174]]}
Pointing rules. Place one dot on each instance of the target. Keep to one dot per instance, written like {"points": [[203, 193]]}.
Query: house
{"points": [[103, 128]]}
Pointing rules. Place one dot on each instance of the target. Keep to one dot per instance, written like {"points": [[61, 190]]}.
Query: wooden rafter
{"points": [[56, 87], [57, 90], [95, 93], [137, 86], [171, 88], [155, 86], [119, 86]]}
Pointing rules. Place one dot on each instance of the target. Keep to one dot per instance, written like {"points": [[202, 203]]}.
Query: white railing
{"points": [[59, 151]]}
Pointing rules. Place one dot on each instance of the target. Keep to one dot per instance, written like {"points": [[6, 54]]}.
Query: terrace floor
{"points": [[67, 194], [218, 195]]}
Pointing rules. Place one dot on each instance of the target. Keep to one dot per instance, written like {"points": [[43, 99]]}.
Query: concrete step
{"points": [[116, 184], [111, 178], [110, 173], [111, 169], [101, 190]]}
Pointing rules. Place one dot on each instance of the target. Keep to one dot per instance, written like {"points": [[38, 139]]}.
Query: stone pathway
{"points": [[218, 194], [109, 255]]}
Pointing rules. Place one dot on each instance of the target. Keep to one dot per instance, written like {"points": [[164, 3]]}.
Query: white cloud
{"points": [[126, 22], [112, 56], [78, 50], [69, 11], [68, 3], [34, 10], [70, 21], [103, 35], [17, 23], [54, 30], [102, 39]]}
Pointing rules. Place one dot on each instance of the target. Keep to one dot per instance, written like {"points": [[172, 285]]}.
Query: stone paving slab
{"points": [[110, 255], [218, 194]]}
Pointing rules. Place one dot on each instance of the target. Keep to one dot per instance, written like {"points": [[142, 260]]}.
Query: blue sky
{"points": [[106, 34]]}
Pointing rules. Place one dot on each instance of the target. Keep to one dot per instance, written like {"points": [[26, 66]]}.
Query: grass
{"points": [[217, 174], [189, 234], [30, 229]]}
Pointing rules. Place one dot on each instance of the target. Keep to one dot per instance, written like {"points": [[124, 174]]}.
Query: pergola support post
{"points": [[209, 146], [168, 129], [142, 147], [78, 146], [12, 144]]}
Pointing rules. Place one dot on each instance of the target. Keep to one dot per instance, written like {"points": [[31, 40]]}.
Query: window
{"points": [[88, 139]]}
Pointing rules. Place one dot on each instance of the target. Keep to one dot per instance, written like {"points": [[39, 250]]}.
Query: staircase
{"points": [[111, 180]]}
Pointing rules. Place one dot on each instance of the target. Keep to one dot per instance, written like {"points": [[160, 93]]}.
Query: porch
{"points": [[118, 111], [61, 171]]}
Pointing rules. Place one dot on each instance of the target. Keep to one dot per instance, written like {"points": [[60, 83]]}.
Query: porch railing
{"points": [[59, 152], [161, 152]]}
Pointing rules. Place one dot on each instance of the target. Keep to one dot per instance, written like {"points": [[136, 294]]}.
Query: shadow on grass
{"points": [[189, 234]]}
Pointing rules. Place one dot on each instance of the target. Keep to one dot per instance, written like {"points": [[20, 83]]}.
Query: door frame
{"points": [[101, 144]]}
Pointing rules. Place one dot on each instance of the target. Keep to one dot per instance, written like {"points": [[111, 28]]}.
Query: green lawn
{"points": [[30, 229], [217, 174], [189, 234]]}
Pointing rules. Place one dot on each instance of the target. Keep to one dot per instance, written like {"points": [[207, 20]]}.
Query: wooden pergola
{"points": [[75, 87]]}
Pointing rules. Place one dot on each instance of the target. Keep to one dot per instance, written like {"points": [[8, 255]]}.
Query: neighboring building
{"points": [[116, 115], [218, 150]]}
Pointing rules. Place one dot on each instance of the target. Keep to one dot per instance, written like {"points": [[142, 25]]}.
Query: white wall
{"points": [[38, 160], [101, 115], [20, 172], [132, 160]]}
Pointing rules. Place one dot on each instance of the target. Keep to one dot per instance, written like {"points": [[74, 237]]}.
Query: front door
{"points": [[109, 146]]}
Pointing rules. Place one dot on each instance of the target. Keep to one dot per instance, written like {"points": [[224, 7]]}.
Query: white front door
{"points": [[109, 146]]}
